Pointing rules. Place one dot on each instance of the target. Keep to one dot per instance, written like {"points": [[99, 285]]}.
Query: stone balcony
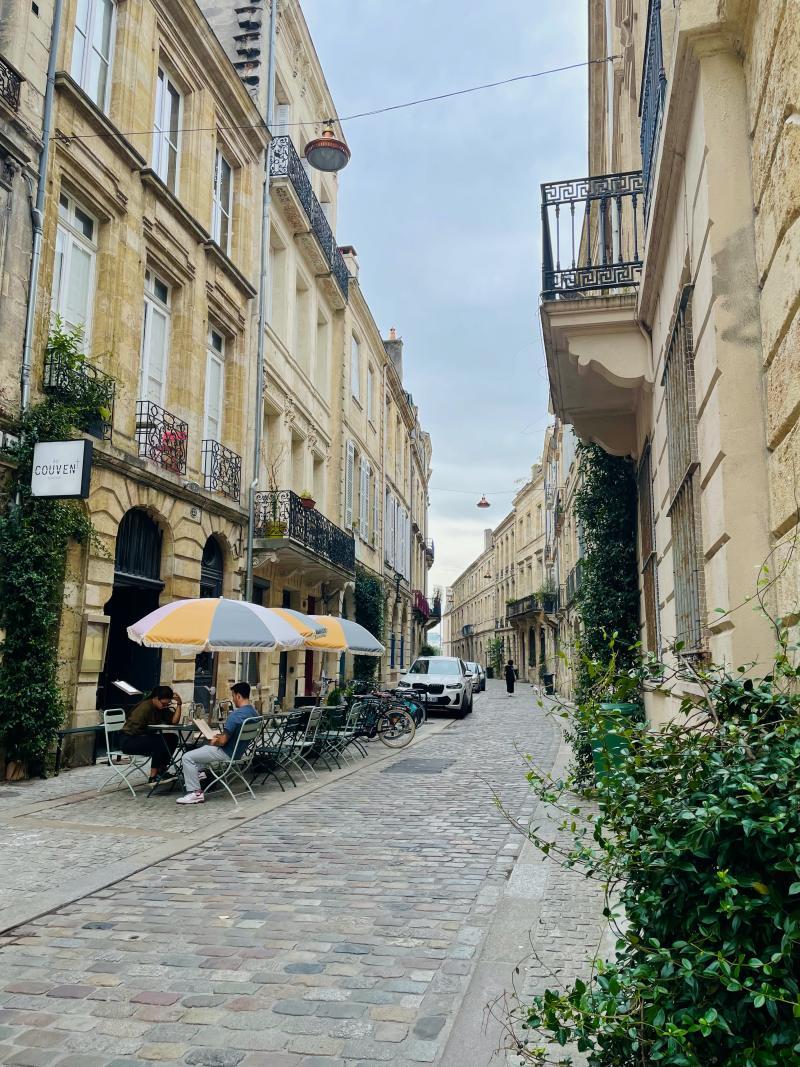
{"points": [[598, 357]]}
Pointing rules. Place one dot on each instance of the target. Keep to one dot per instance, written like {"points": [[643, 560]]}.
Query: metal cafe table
{"points": [[184, 732]]}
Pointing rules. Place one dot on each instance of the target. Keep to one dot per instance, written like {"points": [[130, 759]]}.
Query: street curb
{"points": [[21, 914]]}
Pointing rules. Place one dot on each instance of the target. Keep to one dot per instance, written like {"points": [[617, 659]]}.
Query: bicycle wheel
{"points": [[415, 709], [396, 728]]}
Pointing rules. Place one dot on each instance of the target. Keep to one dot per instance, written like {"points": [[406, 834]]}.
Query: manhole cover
{"points": [[418, 766]]}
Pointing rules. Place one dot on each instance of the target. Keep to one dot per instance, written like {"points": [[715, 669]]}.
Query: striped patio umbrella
{"points": [[342, 635], [214, 624]]}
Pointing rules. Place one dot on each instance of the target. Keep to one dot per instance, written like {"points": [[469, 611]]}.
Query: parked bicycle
{"points": [[385, 719]]}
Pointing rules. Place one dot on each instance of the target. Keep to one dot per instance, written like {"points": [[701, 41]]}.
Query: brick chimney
{"points": [[394, 350]]}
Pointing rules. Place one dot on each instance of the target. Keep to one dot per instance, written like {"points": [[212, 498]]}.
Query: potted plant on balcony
{"points": [[306, 499], [274, 528], [547, 597]]}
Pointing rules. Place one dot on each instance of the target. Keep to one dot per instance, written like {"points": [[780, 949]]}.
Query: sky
{"points": [[441, 202]]}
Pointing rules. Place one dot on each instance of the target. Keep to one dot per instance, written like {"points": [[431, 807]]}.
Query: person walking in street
{"points": [[138, 740], [220, 748], [511, 677]]}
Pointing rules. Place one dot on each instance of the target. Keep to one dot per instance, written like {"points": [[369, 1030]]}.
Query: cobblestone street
{"points": [[346, 926]]}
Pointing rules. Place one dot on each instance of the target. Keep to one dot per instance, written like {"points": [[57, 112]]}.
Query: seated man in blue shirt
{"points": [[220, 748]]}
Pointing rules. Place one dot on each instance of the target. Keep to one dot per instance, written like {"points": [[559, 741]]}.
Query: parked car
{"points": [[444, 681], [478, 677]]}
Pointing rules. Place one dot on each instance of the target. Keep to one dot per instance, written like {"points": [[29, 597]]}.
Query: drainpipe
{"points": [[262, 312], [37, 211]]}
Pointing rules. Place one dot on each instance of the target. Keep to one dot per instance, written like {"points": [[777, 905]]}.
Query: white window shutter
{"points": [[348, 485], [376, 509], [363, 509]]}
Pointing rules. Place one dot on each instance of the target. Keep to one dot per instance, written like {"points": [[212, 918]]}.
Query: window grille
{"points": [[683, 511], [647, 550]]}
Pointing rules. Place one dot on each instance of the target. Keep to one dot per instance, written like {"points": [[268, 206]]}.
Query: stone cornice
{"points": [[138, 470]]}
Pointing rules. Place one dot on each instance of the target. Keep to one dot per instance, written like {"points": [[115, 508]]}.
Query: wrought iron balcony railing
{"points": [[284, 162], [429, 549], [222, 470], [10, 83], [87, 387], [468, 630], [592, 232], [162, 436], [281, 513], [651, 98], [574, 581], [435, 608]]}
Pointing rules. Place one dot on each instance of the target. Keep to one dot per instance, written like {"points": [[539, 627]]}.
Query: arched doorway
{"points": [[137, 587], [211, 571]]}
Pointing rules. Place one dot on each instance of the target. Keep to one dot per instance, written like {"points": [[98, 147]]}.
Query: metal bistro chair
{"points": [[113, 721], [305, 744], [274, 752], [235, 766], [333, 734]]}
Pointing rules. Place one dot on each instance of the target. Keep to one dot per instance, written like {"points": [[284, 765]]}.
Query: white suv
{"points": [[442, 682]]}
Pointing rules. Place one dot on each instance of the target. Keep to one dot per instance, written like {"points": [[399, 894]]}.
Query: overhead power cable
{"points": [[355, 115]]}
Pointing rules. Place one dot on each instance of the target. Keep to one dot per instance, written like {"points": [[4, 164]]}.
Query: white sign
{"points": [[61, 468]]}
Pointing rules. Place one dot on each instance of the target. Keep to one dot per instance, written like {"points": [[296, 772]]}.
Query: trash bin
{"points": [[490, 672], [608, 743], [548, 681]]}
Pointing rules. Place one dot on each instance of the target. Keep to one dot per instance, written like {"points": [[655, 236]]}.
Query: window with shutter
{"points": [[376, 509], [215, 386], [92, 48], [684, 474], [364, 500], [348, 485], [355, 368], [72, 293], [155, 339], [166, 131]]}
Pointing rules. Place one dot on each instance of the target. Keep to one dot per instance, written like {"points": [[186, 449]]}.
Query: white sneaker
{"points": [[191, 798]]}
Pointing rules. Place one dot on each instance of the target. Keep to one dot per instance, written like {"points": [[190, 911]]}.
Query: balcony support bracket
{"points": [[599, 364]]}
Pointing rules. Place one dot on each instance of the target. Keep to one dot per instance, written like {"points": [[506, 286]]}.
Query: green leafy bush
{"points": [[697, 842], [34, 536], [369, 613]]}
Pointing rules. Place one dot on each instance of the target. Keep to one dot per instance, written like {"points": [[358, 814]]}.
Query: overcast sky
{"points": [[441, 203]]}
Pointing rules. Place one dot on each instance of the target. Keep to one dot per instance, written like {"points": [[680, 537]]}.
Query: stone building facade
{"points": [[668, 334], [152, 247], [137, 254], [24, 47]]}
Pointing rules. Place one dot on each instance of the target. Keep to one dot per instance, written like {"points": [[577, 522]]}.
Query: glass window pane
{"points": [[77, 295], [174, 111], [156, 355], [225, 185], [58, 267], [172, 166], [84, 223], [161, 290], [78, 54], [101, 38]]}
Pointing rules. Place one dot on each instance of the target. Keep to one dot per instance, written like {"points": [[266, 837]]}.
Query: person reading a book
{"points": [[161, 708], [220, 747]]}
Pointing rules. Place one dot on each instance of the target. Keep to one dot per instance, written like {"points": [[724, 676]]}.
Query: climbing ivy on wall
{"points": [[35, 533], [608, 600], [370, 614]]}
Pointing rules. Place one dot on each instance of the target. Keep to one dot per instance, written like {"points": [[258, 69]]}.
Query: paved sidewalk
{"points": [[546, 928], [342, 928]]}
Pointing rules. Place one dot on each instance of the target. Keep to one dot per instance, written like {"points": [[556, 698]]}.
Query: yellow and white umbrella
{"points": [[214, 624], [343, 635]]}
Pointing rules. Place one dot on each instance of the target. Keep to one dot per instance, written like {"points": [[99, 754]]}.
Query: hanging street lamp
{"points": [[327, 152], [483, 502]]}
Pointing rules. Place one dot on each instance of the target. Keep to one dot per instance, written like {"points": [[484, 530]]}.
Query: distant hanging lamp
{"points": [[327, 152], [483, 502]]}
